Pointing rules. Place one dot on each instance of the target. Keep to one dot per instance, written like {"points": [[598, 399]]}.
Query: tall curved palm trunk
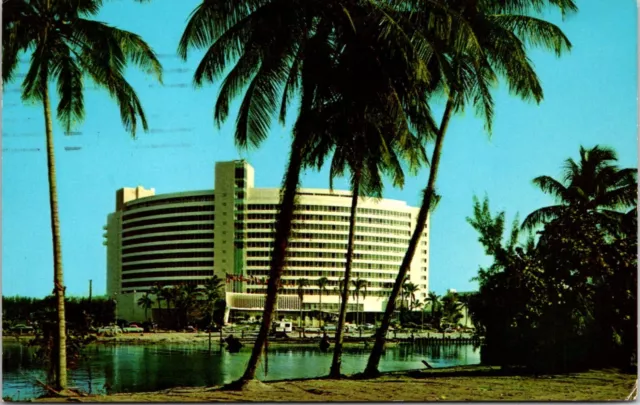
{"points": [[283, 230], [337, 350], [58, 277], [378, 346]]}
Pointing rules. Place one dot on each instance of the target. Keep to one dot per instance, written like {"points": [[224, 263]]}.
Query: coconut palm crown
{"points": [[594, 185]]}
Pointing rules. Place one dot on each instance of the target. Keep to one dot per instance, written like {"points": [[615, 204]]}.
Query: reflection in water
{"points": [[149, 368]]}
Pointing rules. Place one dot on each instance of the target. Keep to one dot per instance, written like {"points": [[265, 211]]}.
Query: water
{"points": [[128, 368]]}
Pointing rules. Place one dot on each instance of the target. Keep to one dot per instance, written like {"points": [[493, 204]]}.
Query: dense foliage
{"points": [[187, 304], [566, 299]]}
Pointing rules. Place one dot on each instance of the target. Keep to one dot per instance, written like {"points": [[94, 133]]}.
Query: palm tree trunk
{"points": [[378, 346], [466, 316], [211, 326], [58, 278], [359, 321], [321, 308], [283, 230], [401, 317], [337, 350]]}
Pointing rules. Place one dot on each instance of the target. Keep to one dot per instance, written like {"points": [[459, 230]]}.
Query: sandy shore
{"points": [[471, 383]]}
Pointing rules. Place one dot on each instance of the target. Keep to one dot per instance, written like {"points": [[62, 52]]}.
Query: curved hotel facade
{"points": [[188, 237]]}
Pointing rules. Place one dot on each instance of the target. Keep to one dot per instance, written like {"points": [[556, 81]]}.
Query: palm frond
{"points": [[542, 216], [534, 31], [235, 81], [32, 85], [551, 186], [70, 87]]}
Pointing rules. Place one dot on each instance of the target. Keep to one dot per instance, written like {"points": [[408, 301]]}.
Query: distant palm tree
{"points": [[451, 307], [213, 297], [66, 43], [169, 295], [464, 300], [187, 295], [322, 282], [410, 291], [145, 302], [156, 291], [422, 305], [434, 299], [594, 186], [338, 291], [302, 284], [359, 289], [403, 298]]}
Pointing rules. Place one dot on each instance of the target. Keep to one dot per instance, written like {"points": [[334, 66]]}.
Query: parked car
{"points": [[133, 328], [283, 326], [330, 328], [350, 327], [22, 328], [368, 326], [115, 329]]}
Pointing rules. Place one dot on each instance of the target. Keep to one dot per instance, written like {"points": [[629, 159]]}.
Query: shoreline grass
{"points": [[459, 383]]}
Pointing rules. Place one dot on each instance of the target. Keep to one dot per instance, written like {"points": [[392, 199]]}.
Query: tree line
{"points": [[561, 293], [362, 75], [79, 312]]}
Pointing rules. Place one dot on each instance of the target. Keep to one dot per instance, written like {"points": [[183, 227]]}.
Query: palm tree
{"points": [[156, 291], [368, 135], [145, 302], [364, 297], [275, 49], [594, 186], [279, 49], [434, 299], [464, 300], [410, 291], [187, 295], [451, 307], [302, 284], [170, 297], [338, 291], [213, 297], [495, 35], [359, 289], [422, 306], [65, 45], [322, 282]]}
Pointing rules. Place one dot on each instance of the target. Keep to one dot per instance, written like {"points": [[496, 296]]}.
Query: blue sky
{"points": [[590, 98]]}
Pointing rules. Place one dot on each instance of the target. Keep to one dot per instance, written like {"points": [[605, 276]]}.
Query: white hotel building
{"points": [[188, 237]]}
